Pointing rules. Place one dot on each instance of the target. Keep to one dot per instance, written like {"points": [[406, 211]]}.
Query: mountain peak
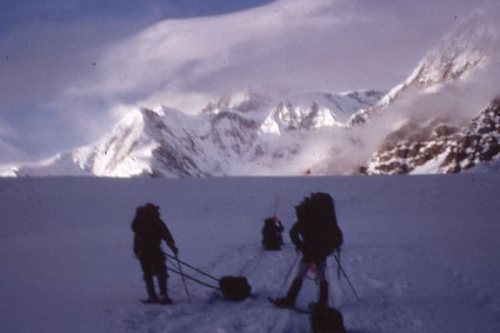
{"points": [[237, 130], [474, 44], [471, 45]]}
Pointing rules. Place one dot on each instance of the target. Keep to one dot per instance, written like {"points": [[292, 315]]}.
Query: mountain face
{"points": [[240, 132], [472, 46], [438, 148], [319, 133], [431, 140]]}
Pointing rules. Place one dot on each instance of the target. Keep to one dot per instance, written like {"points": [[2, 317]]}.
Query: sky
{"points": [[68, 68]]}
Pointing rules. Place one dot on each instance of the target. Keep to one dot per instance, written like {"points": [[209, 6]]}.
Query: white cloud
{"points": [[8, 152], [283, 46], [286, 45]]}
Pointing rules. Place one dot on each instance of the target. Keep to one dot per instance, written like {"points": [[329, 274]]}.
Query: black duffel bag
{"points": [[235, 288], [327, 320]]}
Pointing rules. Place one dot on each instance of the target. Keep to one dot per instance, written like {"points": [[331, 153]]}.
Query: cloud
{"points": [[8, 152], [283, 46], [43, 51], [72, 68]]}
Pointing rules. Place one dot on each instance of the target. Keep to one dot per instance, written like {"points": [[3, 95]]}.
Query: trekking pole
{"points": [[338, 266], [329, 285], [346, 277], [289, 272], [183, 277]]}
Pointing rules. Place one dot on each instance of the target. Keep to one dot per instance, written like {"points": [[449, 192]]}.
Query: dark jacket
{"points": [[149, 230], [271, 233], [272, 227], [314, 243]]}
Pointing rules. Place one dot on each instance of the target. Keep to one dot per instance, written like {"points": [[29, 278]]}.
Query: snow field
{"points": [[421, 251]]}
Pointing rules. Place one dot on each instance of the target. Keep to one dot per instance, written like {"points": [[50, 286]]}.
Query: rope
{"points": [[193, 268], [183, 278], [192, 278], [170, 259]]}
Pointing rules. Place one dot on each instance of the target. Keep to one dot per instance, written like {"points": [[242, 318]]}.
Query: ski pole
{"points": [[338, 266], [183, 278], [289, 272], [346, 277], [329, 285]]}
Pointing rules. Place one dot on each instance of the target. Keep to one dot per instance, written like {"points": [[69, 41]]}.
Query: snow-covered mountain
{"points": [[435, 147], [412, 128], [435, 137], [472, 46], [235, 133]]}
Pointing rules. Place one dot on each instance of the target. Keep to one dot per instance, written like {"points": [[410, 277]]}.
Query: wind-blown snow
{"points": [[422, 252]]}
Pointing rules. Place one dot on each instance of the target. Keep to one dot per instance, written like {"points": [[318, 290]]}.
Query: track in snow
{"points": [[383, 276]]}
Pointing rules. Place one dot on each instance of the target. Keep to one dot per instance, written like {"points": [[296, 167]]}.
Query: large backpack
{"points": [[320, 231]]}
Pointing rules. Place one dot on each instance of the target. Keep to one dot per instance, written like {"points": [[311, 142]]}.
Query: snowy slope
{"points": [[466, 51], [422, 252], [444, 117], [244, 131], [437, 147]]}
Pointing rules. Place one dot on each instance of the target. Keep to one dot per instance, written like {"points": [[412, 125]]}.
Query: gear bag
{"points": [[327, 320], [235, 288]]}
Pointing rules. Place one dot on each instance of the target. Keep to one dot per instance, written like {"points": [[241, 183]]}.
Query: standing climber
{"points": [[317, 235], [149, 230]]}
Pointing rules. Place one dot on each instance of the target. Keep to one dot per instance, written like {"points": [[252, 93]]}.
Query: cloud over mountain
{"points": [[66, 91], [282, 46]]}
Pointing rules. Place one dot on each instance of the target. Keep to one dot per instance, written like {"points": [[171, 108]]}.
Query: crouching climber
{"points": [[271, 233]]}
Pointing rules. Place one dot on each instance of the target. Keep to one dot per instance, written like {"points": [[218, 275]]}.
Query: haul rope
{"points": [[187, 276], [183, 278], [192, 278], [194, 268]]}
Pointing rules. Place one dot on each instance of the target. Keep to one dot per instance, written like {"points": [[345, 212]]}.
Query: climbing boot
{"points": [[289, 300]]}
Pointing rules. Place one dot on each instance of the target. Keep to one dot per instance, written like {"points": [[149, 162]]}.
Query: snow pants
{"points": [[154, 265], [293, 291], [319, 266]]}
